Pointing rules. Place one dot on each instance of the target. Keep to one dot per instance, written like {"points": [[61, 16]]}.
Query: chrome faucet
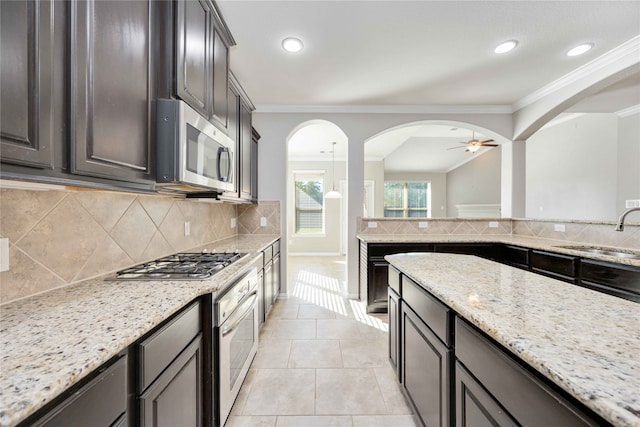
{"points": [[620, 224]]}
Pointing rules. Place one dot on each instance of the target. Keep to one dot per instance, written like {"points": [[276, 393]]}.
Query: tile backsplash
{"points": [[579, 232], [61, 237], [250, 216]]}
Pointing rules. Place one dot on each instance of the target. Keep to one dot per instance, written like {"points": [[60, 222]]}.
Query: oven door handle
{"points": [[235, 319]]}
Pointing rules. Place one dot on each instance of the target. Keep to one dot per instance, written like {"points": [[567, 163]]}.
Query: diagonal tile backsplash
{"points": [[60, 237]]}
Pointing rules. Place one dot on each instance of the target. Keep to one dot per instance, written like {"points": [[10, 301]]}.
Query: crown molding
{"points": [[384, 109], [634, 109], [630, 48]]}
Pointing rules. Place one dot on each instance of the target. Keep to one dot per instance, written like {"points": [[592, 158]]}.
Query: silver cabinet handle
{"points": [[238, 316]]}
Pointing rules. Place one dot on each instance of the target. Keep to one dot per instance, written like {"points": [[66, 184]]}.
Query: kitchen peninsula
{"points": [[579, 343]]}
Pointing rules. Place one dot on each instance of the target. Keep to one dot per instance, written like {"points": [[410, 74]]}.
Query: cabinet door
{"points": [[101, 402], [245, 151], [26, 82], [426, 364], [268, 288], [220, 83], [260, 297], [276, 277], [193, 54], [254, 165], [394, 331], [378, 281], [110, 100], [475, 407], [175, 398]]}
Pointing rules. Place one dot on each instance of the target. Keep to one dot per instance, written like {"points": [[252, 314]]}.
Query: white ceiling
{"points": [[397, 53]]}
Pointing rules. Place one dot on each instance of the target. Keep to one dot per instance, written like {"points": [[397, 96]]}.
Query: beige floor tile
{"points": [[281, 392], [272, 354], [385, 421], [282, 329], [298, 374], [251, 421], [315, 354], [392, 394], [364, 353], [339, 329], [315, 421], [348, 392], [312, 311], [241, 400]]}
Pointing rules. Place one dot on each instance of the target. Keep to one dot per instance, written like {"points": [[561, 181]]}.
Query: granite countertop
{"points": [[529, 242], [51, 341], [585, 342]]}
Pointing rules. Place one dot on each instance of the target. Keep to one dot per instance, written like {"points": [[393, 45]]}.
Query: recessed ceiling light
{"points": [[292, 44], [579, 50], [506, 46]]}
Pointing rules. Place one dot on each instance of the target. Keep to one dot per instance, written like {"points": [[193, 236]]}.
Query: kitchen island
{"points": [[585, 343], [53, 340]]}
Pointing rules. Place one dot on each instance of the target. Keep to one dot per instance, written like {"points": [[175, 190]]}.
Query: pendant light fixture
{"points": [[333, 194]]}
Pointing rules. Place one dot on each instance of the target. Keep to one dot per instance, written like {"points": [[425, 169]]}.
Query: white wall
{"points": [[275, 129], [571, 169], [628, 162], [329, 241], [438, 188], [475, 182], [374, 171]]}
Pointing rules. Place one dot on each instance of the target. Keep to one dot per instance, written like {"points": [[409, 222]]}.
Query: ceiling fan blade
{"points": [[486, 140], [489, 145], [454, 148]]}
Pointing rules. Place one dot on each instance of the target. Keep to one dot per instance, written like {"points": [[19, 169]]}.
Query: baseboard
{"points": [[354, 296]]}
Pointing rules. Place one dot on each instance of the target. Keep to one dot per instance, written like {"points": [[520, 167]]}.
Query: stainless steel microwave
{"points": [[192, 154]]}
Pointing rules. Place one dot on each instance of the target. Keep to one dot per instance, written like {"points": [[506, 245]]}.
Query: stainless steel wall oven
{"points": [[235, 337]]}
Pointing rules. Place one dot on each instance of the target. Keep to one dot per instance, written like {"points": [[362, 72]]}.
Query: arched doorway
{"points": [[315, 214]]}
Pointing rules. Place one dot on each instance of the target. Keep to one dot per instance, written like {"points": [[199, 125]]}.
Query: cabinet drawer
{"points": [[394, 280], [529, 400], [276, 247], [436, 315], [516, 256], [156, 352], [561, 267], [98, 403], [619, 280]]}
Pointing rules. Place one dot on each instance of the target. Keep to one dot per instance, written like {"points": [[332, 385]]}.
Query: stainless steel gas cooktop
{"points": [[180, 266]]}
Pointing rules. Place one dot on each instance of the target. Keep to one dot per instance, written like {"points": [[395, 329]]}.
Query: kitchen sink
{"points": [[604, 251]]}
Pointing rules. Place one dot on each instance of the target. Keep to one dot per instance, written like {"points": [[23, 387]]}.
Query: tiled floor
{"points": [[322, 361]]}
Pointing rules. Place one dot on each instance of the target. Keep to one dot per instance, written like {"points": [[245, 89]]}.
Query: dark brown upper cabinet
{"points": [[110, 89], [202, 60], [239, 123], [193, 54], [26, 83]]}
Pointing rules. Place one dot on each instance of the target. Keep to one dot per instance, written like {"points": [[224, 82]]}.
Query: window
{"points": [[407, 199], [309, 204]]}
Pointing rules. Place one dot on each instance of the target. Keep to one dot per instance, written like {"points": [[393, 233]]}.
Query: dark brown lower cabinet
{"points": [[394, 331], [426, 365], [268, 288], [510, 391], [175, 397], [275, 278], [101, 402], [475, 407]]}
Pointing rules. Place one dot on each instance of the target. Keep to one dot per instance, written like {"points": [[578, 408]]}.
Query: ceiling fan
{"points": [[474, 144]]}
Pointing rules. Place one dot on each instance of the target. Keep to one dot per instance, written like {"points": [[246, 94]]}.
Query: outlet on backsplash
{"points": [[559, 227], [4, 254]]}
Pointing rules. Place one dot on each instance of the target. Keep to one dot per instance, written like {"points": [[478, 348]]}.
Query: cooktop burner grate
{"points": [[181, 266]]}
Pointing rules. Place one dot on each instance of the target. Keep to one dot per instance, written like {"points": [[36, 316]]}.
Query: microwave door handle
{"points": [[221, 150]]}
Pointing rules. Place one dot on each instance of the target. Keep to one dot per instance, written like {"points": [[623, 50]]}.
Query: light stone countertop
{"points": [[529, 242], [51, 341], [585, 342]]}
